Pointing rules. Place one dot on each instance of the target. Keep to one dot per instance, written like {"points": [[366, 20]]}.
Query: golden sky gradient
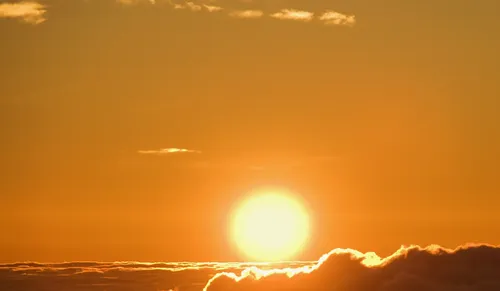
{"points": [[386, 122]]}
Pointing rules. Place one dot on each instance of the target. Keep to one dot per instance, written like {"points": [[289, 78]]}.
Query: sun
{"points": [[270, 226]]}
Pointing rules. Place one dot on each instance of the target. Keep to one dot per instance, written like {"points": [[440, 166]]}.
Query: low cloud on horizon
{"points": [[472, 267]]}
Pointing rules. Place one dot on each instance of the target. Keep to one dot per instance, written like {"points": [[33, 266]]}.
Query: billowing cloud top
{"points": [[467, 268]]}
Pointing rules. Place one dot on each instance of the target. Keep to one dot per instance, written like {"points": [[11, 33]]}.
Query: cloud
{"points": [[473, 267], [30, 12], [34, 12], [467, 268], [329, 17], [188, 5], [130, 2], [291, 14], [212, 8], [118, 276], [168, 151], [336, 18], [246, 13]]}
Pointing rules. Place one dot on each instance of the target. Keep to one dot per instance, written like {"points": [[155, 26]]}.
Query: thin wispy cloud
{"points": [[336, 18], [34, 12], [188, 5], [246, 14], [168, 151], [130, 2], [212, 8], [196, 7], [292, 14], [30, 12], [329, 17]]}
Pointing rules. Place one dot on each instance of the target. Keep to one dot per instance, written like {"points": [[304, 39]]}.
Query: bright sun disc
{"points": [[270, 226]]}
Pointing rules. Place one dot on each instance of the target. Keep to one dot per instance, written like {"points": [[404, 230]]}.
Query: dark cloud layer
{"points": [[467, 268], [90, 276]]}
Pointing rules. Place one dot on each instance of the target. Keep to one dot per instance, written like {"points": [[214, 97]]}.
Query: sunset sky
{"points": [[130, 130]]}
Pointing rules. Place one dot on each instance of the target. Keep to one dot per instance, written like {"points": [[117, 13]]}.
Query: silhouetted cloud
{"points": [[467, 268], [28, 11], [117, 276], [167, 151]]}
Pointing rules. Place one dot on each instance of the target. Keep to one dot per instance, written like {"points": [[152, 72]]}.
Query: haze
{"points": [[129, 131]]}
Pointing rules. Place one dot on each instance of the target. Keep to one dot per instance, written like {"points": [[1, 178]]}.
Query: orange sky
{"points": [[388, 126]]}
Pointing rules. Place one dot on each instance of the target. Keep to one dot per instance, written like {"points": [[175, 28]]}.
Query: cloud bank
{"points": [[467, 268], [27, 11], [117, 276], [413, 268]]}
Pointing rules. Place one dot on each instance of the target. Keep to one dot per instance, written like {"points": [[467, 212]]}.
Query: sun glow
{"points": [[270, 226]]}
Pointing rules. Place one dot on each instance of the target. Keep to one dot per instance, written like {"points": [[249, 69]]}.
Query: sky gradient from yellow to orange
{"points": [[389, 128]]}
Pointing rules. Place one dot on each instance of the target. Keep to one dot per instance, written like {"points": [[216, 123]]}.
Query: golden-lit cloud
{"points": [[130, 2], [336, 18], [212, 8], [168, 151], [246, 14], [30, 12], [34, 12], [473, 267], [466, 268], [188, 5], [329, 17], [292, 14]]}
